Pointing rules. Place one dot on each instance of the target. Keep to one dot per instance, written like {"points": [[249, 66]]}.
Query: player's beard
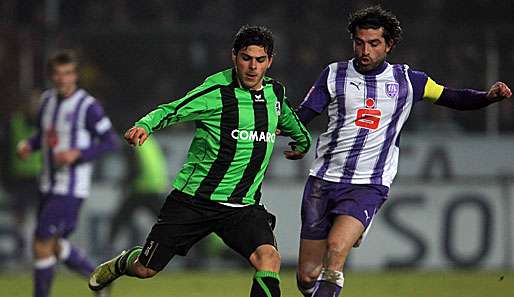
{"points": [[372, 65]]}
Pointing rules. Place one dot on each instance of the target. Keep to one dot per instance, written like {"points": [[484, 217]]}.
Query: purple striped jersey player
{"points": [[72, 131], [368, 100]]}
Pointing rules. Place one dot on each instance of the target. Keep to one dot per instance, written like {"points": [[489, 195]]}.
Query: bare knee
{"points": [[43, 248], [265, 258], [141, 271]]}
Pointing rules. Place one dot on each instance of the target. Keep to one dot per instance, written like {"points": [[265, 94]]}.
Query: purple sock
{"points": [[75, 259], [329, 283], [43, 276], [326, 289]]}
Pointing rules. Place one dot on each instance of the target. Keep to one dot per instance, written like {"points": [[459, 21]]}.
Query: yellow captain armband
{"points": [[432, 91]]}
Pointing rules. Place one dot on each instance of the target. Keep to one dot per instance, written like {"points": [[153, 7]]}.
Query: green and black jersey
{"points": [[235, 133]]}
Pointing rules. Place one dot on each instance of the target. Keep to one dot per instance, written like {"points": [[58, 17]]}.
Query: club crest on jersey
{"points": [[392, 89], [370, 103], [278, 108], [258, 98]]}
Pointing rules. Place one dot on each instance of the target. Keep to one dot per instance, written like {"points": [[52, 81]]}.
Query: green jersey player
{"points": [[236, 112]]}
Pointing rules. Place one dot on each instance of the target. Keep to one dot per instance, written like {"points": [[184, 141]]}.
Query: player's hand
{"points": [[498, 92], [135, 136], [23, 150], [67, 157], [293, 154]]}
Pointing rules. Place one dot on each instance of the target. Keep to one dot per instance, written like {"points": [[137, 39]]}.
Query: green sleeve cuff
{"points": [[261, 274], [302, 148]]}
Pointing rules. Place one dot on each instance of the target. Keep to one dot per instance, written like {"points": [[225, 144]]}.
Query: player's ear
{"points": [[234, 56], [270, 62], [389, 46]]}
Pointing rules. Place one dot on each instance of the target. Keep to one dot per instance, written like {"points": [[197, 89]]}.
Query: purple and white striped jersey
{"points": [[366, 114], [75, 122]]}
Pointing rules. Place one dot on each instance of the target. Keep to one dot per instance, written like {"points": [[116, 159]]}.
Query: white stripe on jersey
{"points": [[68, 119], [355, 151]]}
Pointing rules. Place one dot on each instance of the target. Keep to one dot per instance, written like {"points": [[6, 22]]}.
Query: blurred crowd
{"points": [[137, 54]]}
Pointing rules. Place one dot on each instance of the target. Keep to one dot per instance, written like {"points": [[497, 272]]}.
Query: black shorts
{"points": [[184, 220]]}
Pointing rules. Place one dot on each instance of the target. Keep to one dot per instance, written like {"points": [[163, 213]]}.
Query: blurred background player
{"points": [[368, 101], [237, 112], [146, 182], [72, 130], [20, 176]]}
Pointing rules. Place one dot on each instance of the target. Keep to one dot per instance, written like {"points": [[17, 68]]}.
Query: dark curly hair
{"points": [[375, 17], [253, 35]]}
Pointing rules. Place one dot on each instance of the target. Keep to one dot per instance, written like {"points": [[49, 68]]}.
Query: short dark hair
{"points": [[253, 35], [375, 17], [61, 58]]}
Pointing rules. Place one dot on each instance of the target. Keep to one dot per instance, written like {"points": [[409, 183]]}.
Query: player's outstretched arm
{"points": [[136, 136], [498, 92], [468, 99], [459, 99]]}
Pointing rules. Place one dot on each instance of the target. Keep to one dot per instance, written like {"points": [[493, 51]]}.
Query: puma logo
{"points": [[357, 85]]}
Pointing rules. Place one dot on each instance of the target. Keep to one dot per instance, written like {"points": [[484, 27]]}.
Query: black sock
{"points": [[265, 284]]}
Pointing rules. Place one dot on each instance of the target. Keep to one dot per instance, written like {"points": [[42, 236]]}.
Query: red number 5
{"points": [[368, 118]]}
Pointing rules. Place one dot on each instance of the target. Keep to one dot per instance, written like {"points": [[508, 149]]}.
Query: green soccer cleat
{"points": [[107, 272]]}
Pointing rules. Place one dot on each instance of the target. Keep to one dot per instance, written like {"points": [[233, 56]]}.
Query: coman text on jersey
{"points": [[253, 135]]}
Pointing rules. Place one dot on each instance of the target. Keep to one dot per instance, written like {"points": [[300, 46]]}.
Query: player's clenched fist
{"points": [[135, 136], [23, 150], [293, 154], [499, 91]]}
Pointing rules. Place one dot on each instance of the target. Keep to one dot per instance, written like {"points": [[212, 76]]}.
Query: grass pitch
{"points": [[237, 283]]}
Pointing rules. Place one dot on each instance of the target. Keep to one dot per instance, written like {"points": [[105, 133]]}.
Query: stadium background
{"points": [[451, 206]]}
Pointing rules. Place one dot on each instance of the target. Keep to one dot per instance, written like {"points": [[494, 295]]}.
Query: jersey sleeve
{"points": [[318, 97], [193, 106], [463, 99], [290, 124], [97, 123], [100, 127], [423, 87]]}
